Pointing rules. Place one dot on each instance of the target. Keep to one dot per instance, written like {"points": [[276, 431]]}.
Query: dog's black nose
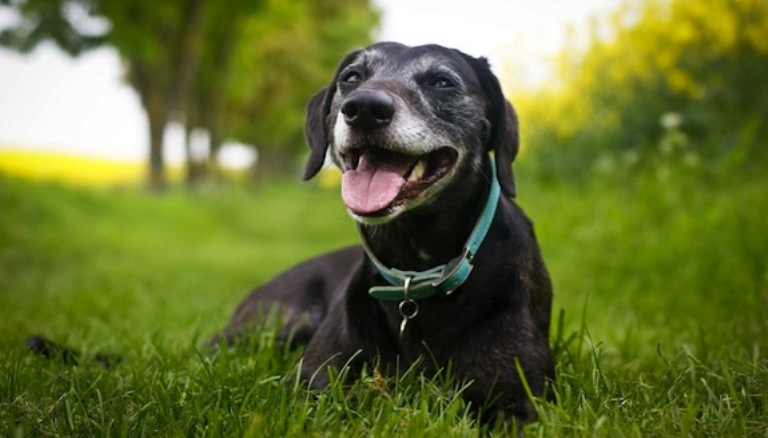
{"points": [[368, 109]]}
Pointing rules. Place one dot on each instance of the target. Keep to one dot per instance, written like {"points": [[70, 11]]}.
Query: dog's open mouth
{"points": [[377, 179]]}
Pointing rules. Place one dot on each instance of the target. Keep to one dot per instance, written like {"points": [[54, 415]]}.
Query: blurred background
{"points": [[189, 90], [644, 161], [197, 88], [150, 162]]}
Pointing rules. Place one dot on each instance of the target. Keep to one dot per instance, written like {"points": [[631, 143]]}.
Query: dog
{"points": [[448, 271]]}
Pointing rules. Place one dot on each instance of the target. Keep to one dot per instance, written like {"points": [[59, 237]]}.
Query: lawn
{"points": [[660, 317]]}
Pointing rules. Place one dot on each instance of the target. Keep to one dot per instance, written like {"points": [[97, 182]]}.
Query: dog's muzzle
{"points": [[381, 173]]}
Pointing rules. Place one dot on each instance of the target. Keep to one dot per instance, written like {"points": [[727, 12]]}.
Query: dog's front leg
{"points": [[332, 349], [354, 332]]}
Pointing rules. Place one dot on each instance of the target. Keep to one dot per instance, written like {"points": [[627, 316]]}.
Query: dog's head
{"points": [[404, 123]]}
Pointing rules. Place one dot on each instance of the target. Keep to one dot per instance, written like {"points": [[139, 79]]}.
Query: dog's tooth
{"points": [[417, 172]]}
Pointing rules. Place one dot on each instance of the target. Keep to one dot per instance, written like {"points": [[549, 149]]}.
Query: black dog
{"points": [[449, 270]]}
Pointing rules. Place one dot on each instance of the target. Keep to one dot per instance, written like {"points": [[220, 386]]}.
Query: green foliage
{"points": [[660, 279], [49, 20], [294, 47], [699, 64]]}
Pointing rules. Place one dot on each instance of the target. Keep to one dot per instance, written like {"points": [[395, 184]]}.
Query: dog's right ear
{"points": [[504, 138], [315, 128]]}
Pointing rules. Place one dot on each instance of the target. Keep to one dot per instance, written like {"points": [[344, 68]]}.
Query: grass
{"points": [[660, 320]]}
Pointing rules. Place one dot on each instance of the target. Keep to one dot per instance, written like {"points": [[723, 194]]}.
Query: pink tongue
{"points": [[375, 183]]}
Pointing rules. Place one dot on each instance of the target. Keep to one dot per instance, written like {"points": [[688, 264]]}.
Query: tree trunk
{"points": [[156, 165], [218, 93], [196, 171], [154, 106], [164, 97], [214, 169], [189, 51], [154, 103], [157, 121]]}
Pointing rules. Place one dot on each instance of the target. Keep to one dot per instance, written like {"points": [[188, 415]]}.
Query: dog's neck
{"points": [[432, 236]]}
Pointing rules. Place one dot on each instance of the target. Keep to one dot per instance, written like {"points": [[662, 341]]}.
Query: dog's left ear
{"points": [[314, 130], [504, 138]]}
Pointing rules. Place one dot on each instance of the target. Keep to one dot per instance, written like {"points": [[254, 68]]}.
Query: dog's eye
{"points": [[441, 82], [351, 77]]}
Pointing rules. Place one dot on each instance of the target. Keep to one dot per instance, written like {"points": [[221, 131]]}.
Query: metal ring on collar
{"points": [[404, 311]]}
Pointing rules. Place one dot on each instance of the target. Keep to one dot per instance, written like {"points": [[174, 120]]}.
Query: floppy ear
{"points": [[504, 138], [314, 130], [505, 141]]}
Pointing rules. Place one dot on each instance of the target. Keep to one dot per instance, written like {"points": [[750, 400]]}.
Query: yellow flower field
{"points": [[72, 169]]}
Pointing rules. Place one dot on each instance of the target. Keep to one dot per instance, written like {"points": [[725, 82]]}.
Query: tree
{"points": [[259, 70], [160, 43], [196, 61], [211, 90]]}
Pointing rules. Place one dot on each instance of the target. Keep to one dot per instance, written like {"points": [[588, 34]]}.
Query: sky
{"points": [[50, 102]]}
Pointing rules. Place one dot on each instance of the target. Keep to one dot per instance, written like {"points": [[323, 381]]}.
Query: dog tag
{"points": [[402, 328], [407, 313]]}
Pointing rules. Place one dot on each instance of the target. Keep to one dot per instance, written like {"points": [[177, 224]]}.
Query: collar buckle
{"points": [[455, 273]]}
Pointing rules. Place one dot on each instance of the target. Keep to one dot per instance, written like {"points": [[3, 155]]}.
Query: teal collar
{"points": [[410, 285]]}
